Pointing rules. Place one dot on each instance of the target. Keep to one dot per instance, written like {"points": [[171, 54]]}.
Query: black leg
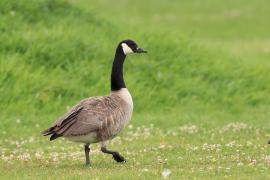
{"points": [[87, 151], [116, 156]]}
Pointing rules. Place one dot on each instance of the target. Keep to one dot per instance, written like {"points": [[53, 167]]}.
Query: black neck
{"points": [[117, 79]]}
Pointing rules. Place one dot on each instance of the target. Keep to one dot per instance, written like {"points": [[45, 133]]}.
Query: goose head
{"points": [[129, 47]]}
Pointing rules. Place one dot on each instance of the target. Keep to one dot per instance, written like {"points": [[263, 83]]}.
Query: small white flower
{"points": [[179, 157], [189, 129], [145, 170], [240, 164], [267, 159], [166, 173], [31, 139]]}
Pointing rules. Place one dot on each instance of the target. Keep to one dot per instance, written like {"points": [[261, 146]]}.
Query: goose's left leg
{"points": [[116, 156], [87, 151]]}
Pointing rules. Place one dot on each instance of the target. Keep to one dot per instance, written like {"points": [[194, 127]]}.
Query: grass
{"points": [[187, 151], [204, 85]]}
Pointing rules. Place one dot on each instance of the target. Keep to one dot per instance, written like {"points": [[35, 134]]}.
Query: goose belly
{"points": [[88, 138]]}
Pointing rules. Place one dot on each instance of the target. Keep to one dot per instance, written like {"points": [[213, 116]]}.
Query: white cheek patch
{"points": [[126, 49]]}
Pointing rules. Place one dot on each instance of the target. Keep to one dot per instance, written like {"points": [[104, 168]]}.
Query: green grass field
{"points": [[201, 94]]}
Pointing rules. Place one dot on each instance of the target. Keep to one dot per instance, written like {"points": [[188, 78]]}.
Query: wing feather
{"points": [[87, 116], [95, 114]]}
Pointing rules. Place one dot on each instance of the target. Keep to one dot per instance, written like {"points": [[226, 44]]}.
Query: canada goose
{"points": [[100, 118]]}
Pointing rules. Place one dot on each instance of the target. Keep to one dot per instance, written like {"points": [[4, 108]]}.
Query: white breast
{"points": [[125, 95]]}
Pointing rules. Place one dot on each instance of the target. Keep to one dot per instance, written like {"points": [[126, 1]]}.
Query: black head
{"points": [[129, 46]]}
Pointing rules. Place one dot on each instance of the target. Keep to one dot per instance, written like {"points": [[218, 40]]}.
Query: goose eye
{"points": [[133, 45]]}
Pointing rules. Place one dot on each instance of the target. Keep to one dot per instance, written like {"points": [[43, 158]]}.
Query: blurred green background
{"points": [[207, 62], [207, 59]]}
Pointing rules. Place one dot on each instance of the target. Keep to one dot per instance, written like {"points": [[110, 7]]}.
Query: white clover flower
{"points": [[24, 157], [39, 155], [240, 164], [267, 159], [166, 173], [145, 170], [235, 127], [189, 128]]}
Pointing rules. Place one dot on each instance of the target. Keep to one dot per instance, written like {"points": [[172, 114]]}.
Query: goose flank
{"points": [[100, 118]]}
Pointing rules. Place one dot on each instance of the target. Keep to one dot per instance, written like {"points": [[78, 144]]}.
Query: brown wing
{"points": [[87, 116], [80, 119]]}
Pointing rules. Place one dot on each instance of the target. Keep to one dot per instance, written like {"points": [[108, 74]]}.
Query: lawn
{"points": [[201, 94]]}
